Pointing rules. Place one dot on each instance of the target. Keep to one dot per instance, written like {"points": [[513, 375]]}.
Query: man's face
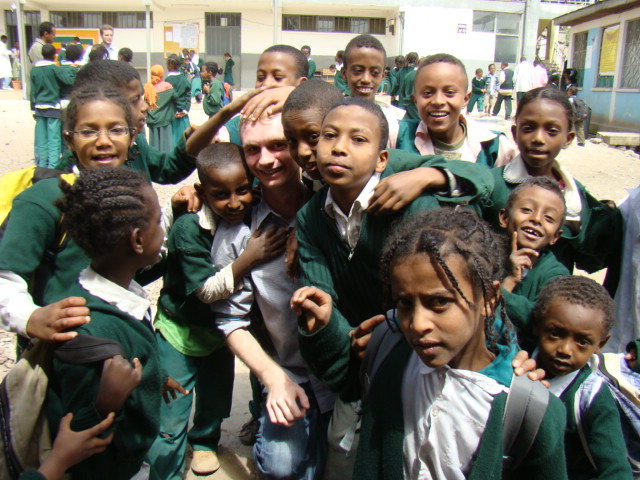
{"points": [[107, 37], [50, 36]]}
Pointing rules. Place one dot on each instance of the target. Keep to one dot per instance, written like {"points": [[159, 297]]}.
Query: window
{"points": [[506, 26], [317, 23], [579, 57], [484, 21], [631, 65], [222, 19], [96, 19], [462, 28], [508, 23], [608, 56]]}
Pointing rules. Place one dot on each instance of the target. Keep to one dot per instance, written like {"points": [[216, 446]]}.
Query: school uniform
{"points": [[182, 87], [492, 84], [399, 76], [393, 115], [160, 119], [480, 145], [228, 71], [213, 102], [341, 83], [192, 350], [312, 68], [123, 315], [600, 421], [47, 80], [597, 244], [519, 303], [477, 95], [447, 423], [404, 94]]}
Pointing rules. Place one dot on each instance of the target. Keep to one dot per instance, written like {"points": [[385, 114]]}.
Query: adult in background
{"points": [[505, 92], [106, 34], [47, 32], [540, 75], [228, 69], [523, 77], [5, 64]]}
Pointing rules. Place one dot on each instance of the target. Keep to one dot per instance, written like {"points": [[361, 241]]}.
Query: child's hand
{"points": [[263, 246], [632, 358], [47, 322], [315, 304], [361, 335], [70, 448], [520, 259], [398, 190], [180, 114], [186, 199], [206, 88], [238, 103], [170, 388], [291, 256], [522, 364], [269, 103], [117, 382]]}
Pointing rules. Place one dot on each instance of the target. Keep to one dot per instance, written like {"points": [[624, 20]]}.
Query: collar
{"points": [[206, 218], [262, 212], [132, 301], [44, 63], [476, 134], [516, 172], [360, 203], [171, 74]]}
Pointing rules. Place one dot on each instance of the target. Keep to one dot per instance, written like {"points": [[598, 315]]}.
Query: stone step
{"points": [[616, 139]]}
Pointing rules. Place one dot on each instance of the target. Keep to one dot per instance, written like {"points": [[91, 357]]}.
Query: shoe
{"points": [[249, 431], [204, 462]]}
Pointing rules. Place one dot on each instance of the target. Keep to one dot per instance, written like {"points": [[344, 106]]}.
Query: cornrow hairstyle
{"points": [[103, 206], [445, 232], [173, 62], [364, 41], [443, 58], [542, 182], [371, 108], [576, 290], [219, 156], [109, 72], [300, 61], [547, 93], [94, 93], [313, 94]]}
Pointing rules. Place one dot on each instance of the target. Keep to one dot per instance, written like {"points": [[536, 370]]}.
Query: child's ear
{"points": [[413, 98], [68, 137], [603, 342], [513, 133], [467, 97], [556, 237], [503, 216], [301, 80], [198, 188], [136, 241], [383, 158], [343, 73], [570, 136]]}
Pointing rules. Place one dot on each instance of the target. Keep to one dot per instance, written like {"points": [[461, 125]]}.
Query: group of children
{"points": [[455, 240]]}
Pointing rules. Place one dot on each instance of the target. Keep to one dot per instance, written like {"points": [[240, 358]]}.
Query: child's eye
{"points": [[313, 138], [525, 210], [439, 304], [329, 135], [359, 140], [583, 342], [550, 219], [403, 304]]}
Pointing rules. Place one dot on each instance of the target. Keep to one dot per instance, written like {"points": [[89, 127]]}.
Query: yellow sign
{"points": [[609, 50]]}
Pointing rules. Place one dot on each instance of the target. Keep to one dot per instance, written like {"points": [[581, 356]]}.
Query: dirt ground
{"points": [[607, 172]]}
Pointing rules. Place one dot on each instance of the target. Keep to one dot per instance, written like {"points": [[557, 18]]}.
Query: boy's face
{"points": [[306, 52], [133, 93], [492, 69], [348, 149], [364, 72], [536, 215], [568, 336], [302, 131], [277, 68], [479, 74], [227, 191], [440, 95]]}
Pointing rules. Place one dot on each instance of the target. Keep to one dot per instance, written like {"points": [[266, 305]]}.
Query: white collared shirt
{"points": [[445, 414], [349, 226]]}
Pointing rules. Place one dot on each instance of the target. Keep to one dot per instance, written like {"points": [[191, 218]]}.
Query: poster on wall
{"points": [[88, 36], [609, 50], [180, 35]]}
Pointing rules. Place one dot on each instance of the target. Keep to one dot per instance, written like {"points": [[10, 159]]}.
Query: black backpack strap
{"points": [[383, 340], [87, 349], [523, 413]]}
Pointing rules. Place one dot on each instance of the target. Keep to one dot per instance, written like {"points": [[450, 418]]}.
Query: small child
{"points": [[182, 86], [114, 216], [213, 89], [533, 218], [580, 114], [571, 320], [338, 79], [441, 93], [162, 99], [47, 81], [478, 84], [228, 69], [491, 86], [192, 350], [71, 63], [406, 89], [436, 403], [125, 55]]}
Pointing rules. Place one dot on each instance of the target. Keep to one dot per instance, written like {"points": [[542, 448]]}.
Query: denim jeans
{"points": [[296, 452]]}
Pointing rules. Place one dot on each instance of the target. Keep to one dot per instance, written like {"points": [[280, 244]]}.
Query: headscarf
{"points": [[150, 90]]}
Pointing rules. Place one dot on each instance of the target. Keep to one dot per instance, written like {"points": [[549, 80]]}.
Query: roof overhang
{"points": [[595, 11]]}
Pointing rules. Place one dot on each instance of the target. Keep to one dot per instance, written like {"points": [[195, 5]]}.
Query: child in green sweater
{"points": [[477, 92], [572, 320], [533, 218], [182, 86], [212, 88]]}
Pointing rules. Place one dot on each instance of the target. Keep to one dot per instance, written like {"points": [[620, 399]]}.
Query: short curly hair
{"points": [[576, 290], [543, 182], [102, 206], [370, 107]]}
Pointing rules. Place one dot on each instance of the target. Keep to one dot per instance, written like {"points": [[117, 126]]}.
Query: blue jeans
{"points": [[296, 452], [212, 378]]}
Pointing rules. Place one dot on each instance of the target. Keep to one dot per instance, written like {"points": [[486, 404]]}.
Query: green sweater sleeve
{"points": [[213, 100], [163, 168], [32, 475]]}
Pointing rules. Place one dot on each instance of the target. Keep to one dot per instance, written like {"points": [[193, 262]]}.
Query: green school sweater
{"points": [[65, 91], [380, 454], [233, 127], [182, 88], [598, 243], [312, 68], [164, 114], [604, 435], [189, 325], [74, 388], [404, 95], [47, 79], [351, 276], [340, 82], [213, 100], [399, 76], [477, 85], [520, 302]]}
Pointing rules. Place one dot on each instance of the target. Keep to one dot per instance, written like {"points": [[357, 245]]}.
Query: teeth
{"points": [[531, 232], [438, 114]]}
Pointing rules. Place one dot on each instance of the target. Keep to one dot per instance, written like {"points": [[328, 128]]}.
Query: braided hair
{"points": [[444, 232], [103, 206], [94, 93]]}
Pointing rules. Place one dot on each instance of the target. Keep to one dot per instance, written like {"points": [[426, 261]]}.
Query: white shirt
{"points": [[393, 116], [445, 413], [349, 225], [523, 77]]}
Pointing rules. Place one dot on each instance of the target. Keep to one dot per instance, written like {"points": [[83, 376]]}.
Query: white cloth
{"points": [[523, 77], [16, 304], [5, 62], [393, 116], [349, 225], [445, 413]]}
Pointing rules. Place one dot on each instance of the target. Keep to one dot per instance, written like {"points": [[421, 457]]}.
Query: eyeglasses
{"points": [[115, 132]]}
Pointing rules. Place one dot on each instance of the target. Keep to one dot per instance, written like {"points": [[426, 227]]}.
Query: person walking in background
{"points": [[505, 92], [47, 32], [523, 77], [5, 64], [312, 64], [477, 92], [540, 76], [491, 86], [228, 69]]}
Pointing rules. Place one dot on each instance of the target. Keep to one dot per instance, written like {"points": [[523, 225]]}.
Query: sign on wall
{"points": [[609, 50], [180, 35]]}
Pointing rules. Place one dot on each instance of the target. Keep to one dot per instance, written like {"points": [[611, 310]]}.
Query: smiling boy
{"points": [[440, 95]]}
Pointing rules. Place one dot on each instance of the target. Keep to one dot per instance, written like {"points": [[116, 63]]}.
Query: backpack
{"points": [[581, 110], [524, 410], [25, 438]]}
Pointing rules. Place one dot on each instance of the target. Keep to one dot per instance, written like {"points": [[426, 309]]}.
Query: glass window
{"points": [[579, 55], [484, 21], [343, 24], [506, 48], [325, 24], [359, 25], [631, 65], [92, 19], [508, 23], [291, 22], [377, 25], [307, 23]]}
